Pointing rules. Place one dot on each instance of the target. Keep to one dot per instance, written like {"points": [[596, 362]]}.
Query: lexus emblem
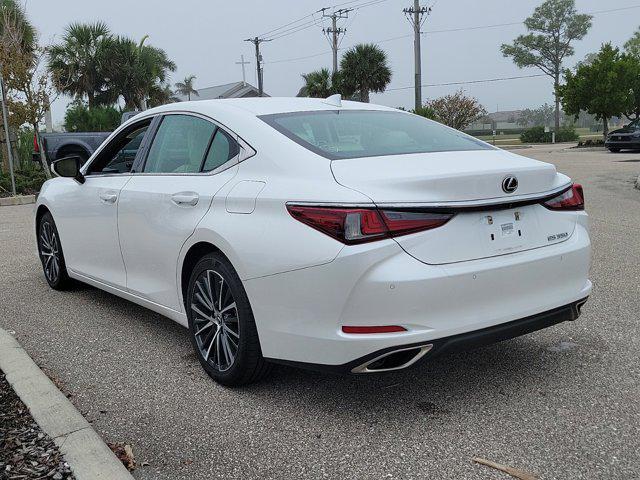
{"points": [[509, 184]]}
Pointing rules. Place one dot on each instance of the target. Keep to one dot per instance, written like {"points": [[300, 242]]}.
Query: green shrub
{"points": [[25, 148], [29, 180], [80, 118], [426, 112], [538, 135], [567, 134]]}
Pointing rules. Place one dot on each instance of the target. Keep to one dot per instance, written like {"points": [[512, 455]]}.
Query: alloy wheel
{"points": [[215, 320], [50, 251]]}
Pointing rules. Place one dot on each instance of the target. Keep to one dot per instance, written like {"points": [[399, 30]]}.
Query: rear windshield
{"points": [[369, 133]]}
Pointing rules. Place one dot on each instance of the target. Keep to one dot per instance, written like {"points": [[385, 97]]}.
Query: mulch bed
{"points": [[26, 452]]}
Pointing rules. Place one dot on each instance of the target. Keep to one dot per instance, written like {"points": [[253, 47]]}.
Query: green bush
{"points": [[538, 135], [25, 148], [80, 118], [426, 112], [29, 180]]}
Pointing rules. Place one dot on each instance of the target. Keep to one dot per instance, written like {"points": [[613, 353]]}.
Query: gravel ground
{"points": [[560, 403], [25, 451]]}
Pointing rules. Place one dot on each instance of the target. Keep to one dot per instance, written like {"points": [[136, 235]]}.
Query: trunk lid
{"points": [[444, 176], [453, 179]]}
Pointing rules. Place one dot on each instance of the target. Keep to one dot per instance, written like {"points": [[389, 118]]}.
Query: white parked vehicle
{"points": [[334, 235]]}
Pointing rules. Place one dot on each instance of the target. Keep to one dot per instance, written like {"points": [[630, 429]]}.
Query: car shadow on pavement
{"points": [[434, 387], [493, 373]]}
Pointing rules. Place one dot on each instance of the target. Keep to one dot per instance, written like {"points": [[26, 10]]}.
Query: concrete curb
{"points": [[17, 200], [513, 147], [84, 450]]}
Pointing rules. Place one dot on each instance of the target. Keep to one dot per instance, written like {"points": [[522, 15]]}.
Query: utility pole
{"points": [[7, 138], [243, 63], [335, 31], [414, 15], [257, 41]]}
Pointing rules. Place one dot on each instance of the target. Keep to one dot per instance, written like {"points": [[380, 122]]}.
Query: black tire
{"points": [[51, 254], [614, 150], [214, 333]]}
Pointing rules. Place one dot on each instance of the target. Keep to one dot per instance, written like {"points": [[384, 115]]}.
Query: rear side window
{"points": [[223, 148], [342, 134], [180, 145]]}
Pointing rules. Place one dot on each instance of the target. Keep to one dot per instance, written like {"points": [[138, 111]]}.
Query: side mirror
{"points": [[69, 167]]}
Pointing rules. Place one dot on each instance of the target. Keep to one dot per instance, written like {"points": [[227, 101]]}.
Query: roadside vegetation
{"points": [[106, 73]]}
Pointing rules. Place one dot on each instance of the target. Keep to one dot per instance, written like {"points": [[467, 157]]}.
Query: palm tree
{"points": [[364, 69], [135, 71], [161, 95], [320, 84], [185, 87], [76, 64]]}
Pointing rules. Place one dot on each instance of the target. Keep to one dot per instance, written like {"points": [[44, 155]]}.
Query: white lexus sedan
{"points": [[326, 234]]}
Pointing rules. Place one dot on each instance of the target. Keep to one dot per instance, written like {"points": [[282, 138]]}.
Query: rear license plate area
{"points": [[504, 230]]}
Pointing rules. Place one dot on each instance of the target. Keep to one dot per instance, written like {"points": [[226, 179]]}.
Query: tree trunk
{"points": [[364, 96], [556, 83], [605, 127], [43, 155]]}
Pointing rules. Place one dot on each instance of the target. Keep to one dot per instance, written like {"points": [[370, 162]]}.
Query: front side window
{"points": [[369, 133], [119, 155], [180, 145]]}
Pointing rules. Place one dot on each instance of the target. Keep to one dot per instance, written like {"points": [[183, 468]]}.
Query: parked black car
{"points": [[625, 138]]}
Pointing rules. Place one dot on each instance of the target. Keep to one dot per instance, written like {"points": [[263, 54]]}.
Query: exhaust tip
{"points": [[576, 308], [394, 360]]}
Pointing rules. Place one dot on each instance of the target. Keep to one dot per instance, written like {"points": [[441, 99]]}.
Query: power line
{"points": [[295, 59], [476, 27], [486, 80], [310, 19], [508, 24]]}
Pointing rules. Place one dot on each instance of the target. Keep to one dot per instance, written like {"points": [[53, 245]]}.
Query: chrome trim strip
{"points": [[424, 349], [455, 204], [483, 202]]}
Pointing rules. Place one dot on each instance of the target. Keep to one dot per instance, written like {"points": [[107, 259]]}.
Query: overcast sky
{"points": [[205, 38]]}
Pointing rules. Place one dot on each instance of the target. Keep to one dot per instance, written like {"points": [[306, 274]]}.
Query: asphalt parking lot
{"points": [[560, 403]]}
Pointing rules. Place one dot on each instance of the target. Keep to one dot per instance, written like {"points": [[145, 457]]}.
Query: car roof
{"points": [[265, 105]]}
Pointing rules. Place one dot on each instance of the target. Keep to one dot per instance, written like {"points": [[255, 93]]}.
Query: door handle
{"points": [[108, 197], [185, 198]]}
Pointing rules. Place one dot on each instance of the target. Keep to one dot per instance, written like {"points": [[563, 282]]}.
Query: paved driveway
{"points": [[562, 403]]}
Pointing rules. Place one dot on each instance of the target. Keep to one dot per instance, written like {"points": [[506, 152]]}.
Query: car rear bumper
{"points": [[299, 314], [375, 362]]}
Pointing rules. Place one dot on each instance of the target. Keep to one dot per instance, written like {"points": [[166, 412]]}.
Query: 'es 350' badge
{"points": [[557, 236]]}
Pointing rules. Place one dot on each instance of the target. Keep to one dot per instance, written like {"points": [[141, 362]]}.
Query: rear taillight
{"points": [[572, 199], [360, 225], [36, 147]]}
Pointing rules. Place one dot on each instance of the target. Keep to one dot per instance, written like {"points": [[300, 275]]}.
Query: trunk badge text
{"points": [[558, 236], [509, 184]]}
